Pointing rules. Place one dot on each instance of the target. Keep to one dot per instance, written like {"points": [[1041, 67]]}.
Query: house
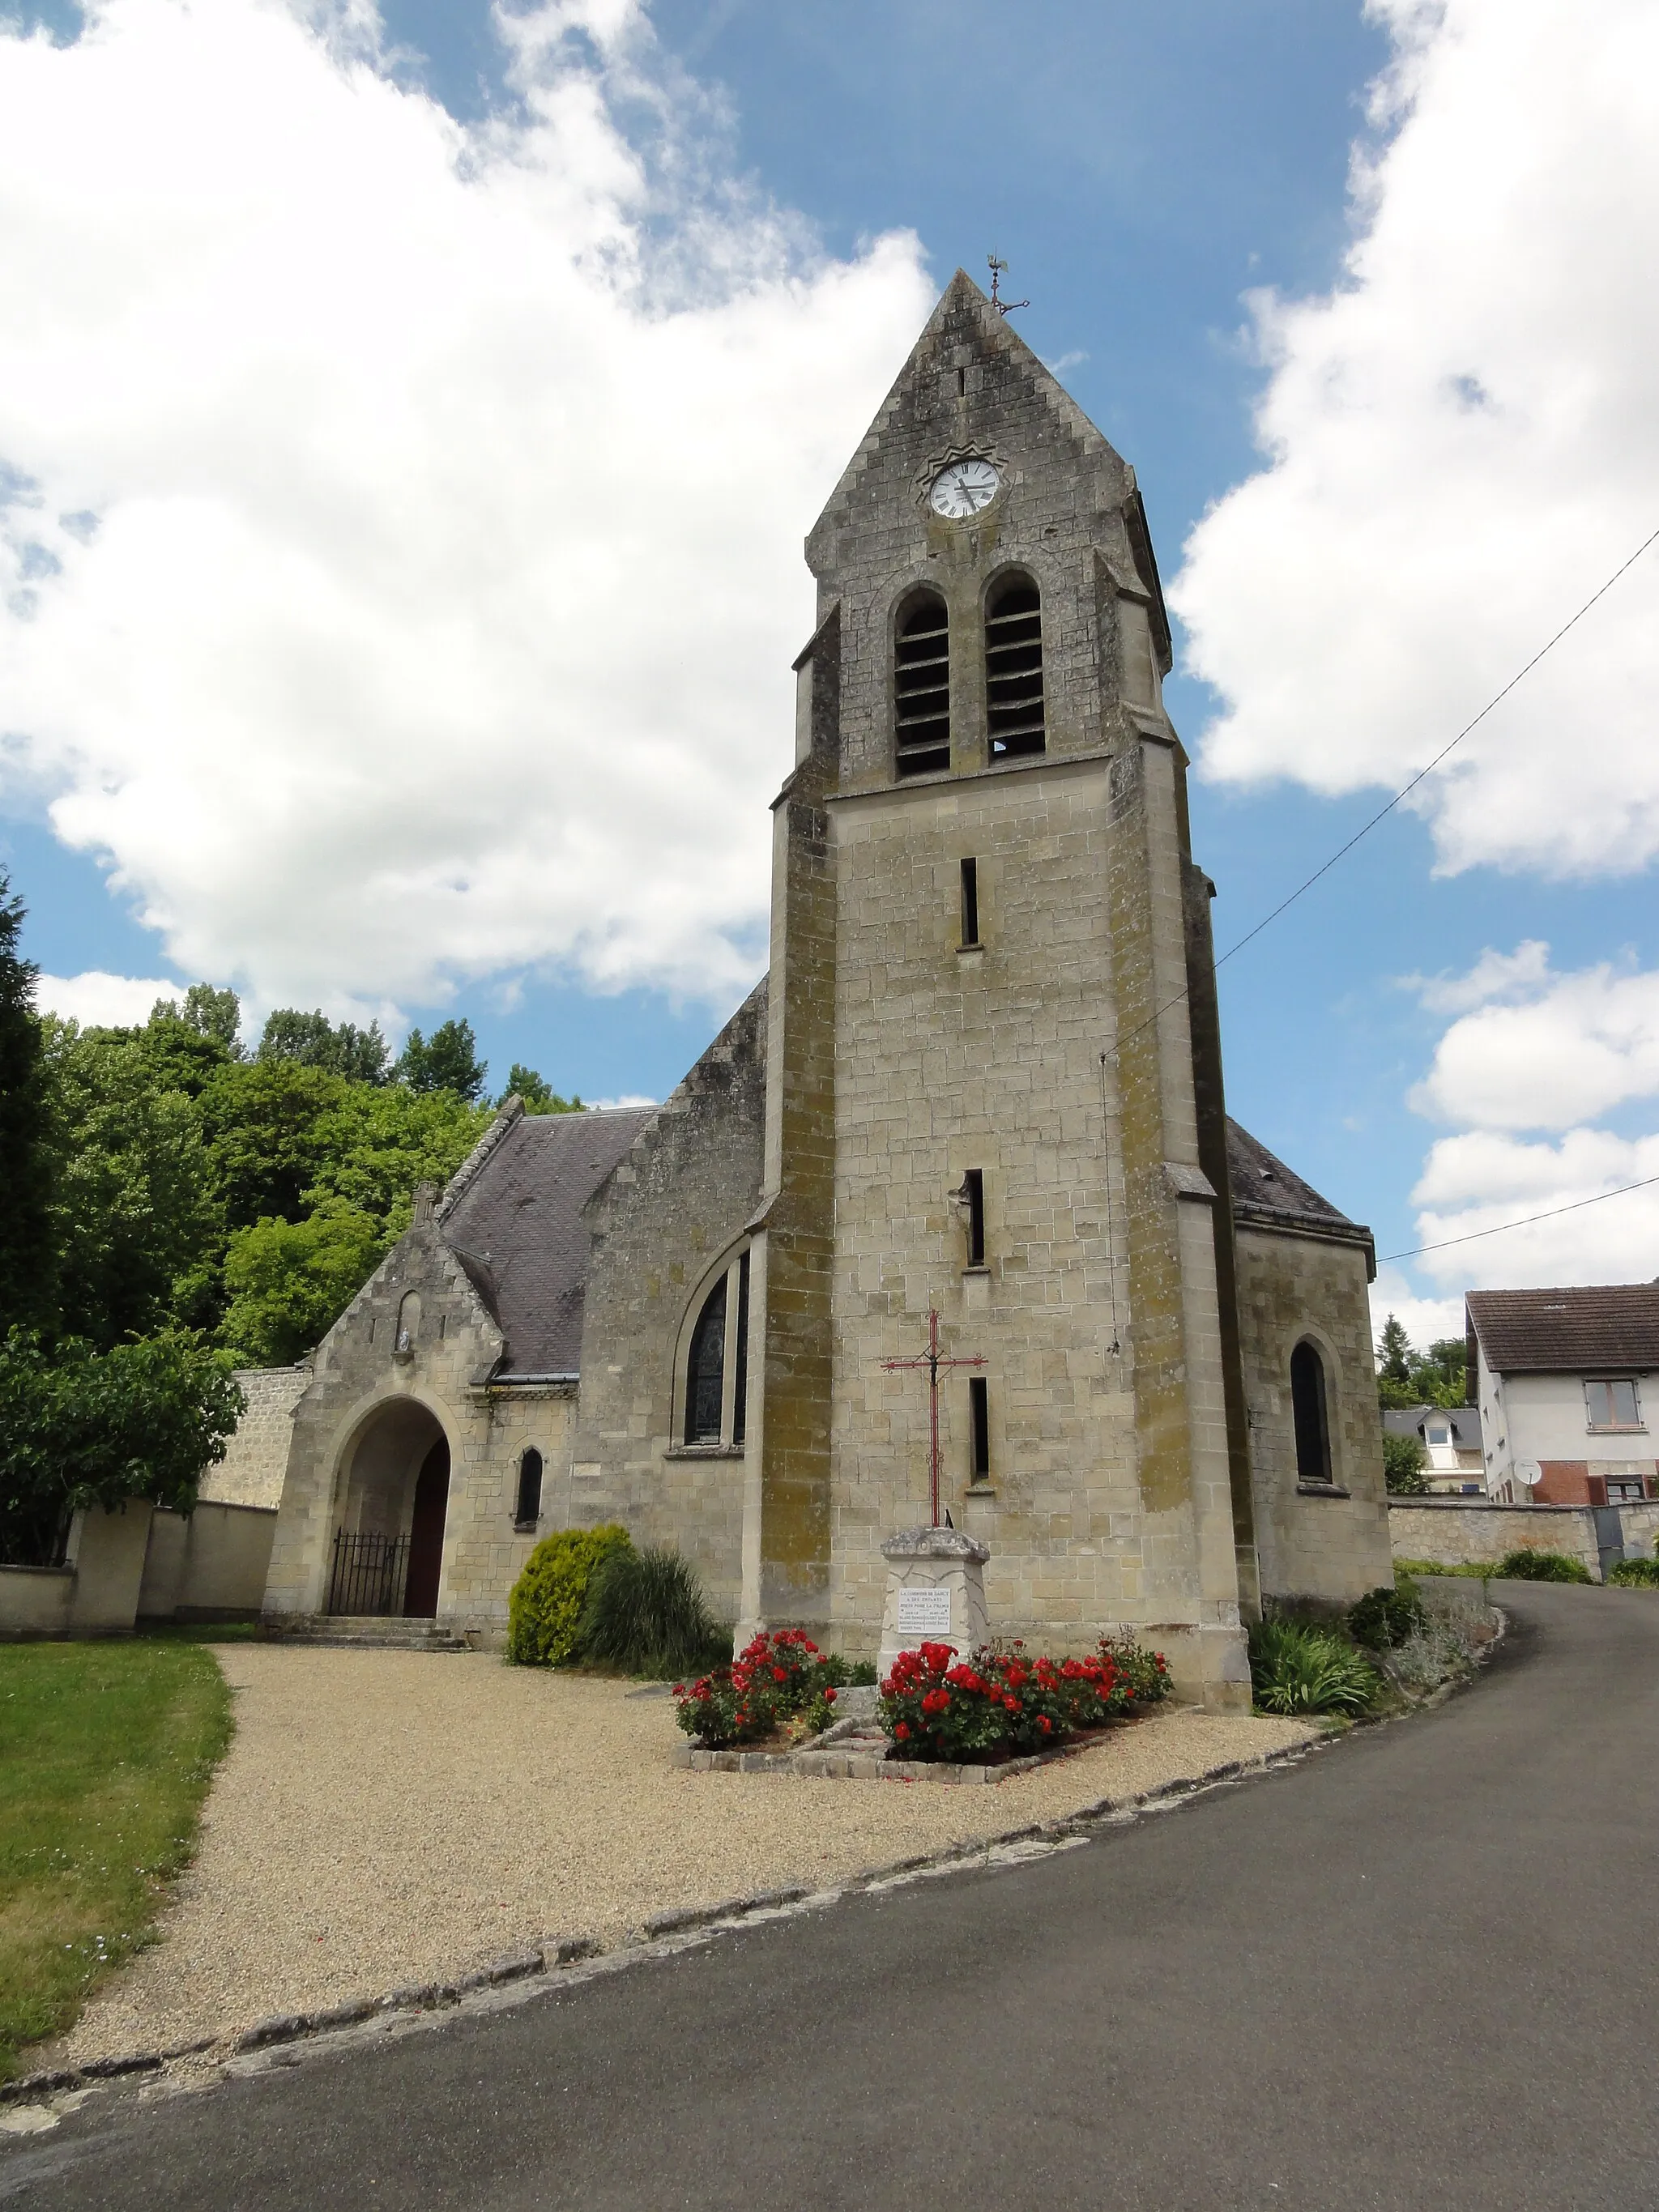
{"points": [[1454, 1460], [982, 1081], [1564, 1381]]}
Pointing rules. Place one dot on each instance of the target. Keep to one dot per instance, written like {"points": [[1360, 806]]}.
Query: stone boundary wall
{"points": [[255, 1459], [1459, 1532]]}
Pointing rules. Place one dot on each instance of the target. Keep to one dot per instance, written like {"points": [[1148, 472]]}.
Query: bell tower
{"points": [[994, 1067]]}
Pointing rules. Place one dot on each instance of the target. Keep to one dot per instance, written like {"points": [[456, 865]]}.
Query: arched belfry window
{"points": [[1313, 1432], [921, 686], [717, 1361], [1013, 668]]}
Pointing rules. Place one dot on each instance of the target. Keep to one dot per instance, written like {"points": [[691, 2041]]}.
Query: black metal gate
{"points": [[369, 1573]]}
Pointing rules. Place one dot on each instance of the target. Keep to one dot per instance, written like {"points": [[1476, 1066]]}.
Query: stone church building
{"points": [[982, 1076]]}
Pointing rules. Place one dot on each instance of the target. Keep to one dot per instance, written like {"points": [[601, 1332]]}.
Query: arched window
{"points": [[717, 1365], [408, 1322], [1013, 668], [921, 686], [528, 1510], [1313, 1434]]}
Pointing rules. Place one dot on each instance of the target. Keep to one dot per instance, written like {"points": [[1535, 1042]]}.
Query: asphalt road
{"points": [[1416, 1970]]}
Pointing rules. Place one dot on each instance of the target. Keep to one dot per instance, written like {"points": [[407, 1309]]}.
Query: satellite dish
{"points": [[1529, 1471]]}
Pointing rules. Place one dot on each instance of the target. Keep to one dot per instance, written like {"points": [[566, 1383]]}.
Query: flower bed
{"points": [[998, 1705]]}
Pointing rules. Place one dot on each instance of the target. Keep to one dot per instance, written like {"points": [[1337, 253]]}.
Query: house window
{"points": [[528, 1510], [1313, 1434], [1437, 1432], [1610, 1403], [1624, 1493], [717, 1364], [1013, 668], [921, 687]]}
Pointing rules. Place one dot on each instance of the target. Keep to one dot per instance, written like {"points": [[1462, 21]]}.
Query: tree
{"points": [[290, 1280], [1403, 1461], [182, 1056], [26, 1245], [264, 1124], [1392, 1353], [525, 1082], [136, 1218], [215, 1014], [359, 1056], [1408, 1377], [447, 1060], [376, 1145], [82, 1427]]}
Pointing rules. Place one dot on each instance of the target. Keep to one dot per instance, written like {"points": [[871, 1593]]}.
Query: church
{"points": [[982, 1080]]}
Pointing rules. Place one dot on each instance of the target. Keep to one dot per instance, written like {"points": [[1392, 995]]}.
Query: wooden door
{"points": [[426, 1534]]}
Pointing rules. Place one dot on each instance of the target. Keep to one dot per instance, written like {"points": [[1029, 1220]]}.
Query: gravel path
{"points": [[386, 1817]]}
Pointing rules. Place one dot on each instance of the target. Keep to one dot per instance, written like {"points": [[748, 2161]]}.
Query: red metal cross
{"points": [[932, 1359]]}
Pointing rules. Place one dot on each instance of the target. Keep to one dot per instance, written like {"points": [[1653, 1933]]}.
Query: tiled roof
{"points": [[1604, 1325], [1266, 1192], [517, 1228], [1409, 1421]]}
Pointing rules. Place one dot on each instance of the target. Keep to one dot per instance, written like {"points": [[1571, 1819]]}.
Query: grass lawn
{"points": [[105, 1753]]}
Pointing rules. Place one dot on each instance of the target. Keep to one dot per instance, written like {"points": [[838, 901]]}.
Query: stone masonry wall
{"points": [[256, 1458], [1312, 1544], [676, 1204], [1457, 1532]]}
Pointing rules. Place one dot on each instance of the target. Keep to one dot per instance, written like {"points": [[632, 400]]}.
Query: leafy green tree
{"points": [[359, 1056], [1439, 1374], [376, 1145], [290, 1280], [181, 1056], [1393, 1349], [135, 1214], [26, 1242], [264, 1123], [525, 1082], [80, 1427], [446, 1060], [215, 1014], [1403, 1461]]}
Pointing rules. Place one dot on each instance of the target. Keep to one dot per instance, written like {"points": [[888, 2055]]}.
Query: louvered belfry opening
{"points": [[1013, 668], [921, 686]]}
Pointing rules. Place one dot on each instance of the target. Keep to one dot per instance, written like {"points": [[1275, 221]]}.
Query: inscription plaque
{"points": [[924, 1612]]}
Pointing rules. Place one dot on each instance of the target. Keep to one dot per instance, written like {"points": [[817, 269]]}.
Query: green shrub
{"points": [[1475, 1571], [545, 1609], [1387, 1614], [1296, 1669], [1403, 1461], [1635, 1574], [1527, 1565], [646, 1614]]}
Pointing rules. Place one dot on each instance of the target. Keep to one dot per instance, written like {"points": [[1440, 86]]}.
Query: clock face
{"points": [[963, 488]]}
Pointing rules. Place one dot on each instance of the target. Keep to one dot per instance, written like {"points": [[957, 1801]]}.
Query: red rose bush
{"points": [[774, 1679], [1000, 1703]]}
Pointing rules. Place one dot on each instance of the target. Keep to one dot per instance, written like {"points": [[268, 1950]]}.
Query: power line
{"points": [[1404, 792], [1525, 1220]]}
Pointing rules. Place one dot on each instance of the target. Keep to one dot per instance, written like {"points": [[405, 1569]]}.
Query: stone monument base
{"points": [[935, 1593]]}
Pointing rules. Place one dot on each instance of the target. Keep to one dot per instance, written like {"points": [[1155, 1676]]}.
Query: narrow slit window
{"points": [[979, 1410], [705, 1380], [973, 1184], [1313, 1434], [740, 1357], [970, 903], [528, 1510], [1014, 668], [921, 687]]}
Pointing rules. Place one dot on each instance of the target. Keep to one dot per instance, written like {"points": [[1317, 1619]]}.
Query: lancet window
{"points": [[1013, 668], [921, 686]]}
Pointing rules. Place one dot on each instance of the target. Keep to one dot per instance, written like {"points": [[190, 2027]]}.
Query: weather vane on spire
{"points": [[999, 269]]}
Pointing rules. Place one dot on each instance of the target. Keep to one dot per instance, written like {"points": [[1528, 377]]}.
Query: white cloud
{"points": [[1495, 975], [1425, 1320], [99, 1000], [1577, 1045], [1463, 442], [406, 565], [1480, 1182]]}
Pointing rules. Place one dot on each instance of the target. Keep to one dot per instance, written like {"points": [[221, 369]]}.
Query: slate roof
{"points": [[1605, 1326], [1266, 1192], [1409, 1421], [517, 1228]]}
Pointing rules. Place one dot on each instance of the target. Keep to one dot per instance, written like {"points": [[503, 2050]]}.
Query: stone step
{"points": [[368, 1632]]}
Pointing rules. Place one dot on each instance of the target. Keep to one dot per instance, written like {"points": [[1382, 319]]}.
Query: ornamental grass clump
{"points": [[545, 1609], [1527, 1566], [646, 1614], [1298, 1668], [774, 1680]]}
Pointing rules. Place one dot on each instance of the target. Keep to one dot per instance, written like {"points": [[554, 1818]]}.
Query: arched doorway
{"points": [[394, 1495]]}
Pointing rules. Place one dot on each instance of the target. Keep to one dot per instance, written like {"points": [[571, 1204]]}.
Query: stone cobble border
{"points": [[851, 1765], [658, 1929]]}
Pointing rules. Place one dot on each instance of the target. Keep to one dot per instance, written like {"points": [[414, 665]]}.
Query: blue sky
{"points": [[1143, 171]]}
